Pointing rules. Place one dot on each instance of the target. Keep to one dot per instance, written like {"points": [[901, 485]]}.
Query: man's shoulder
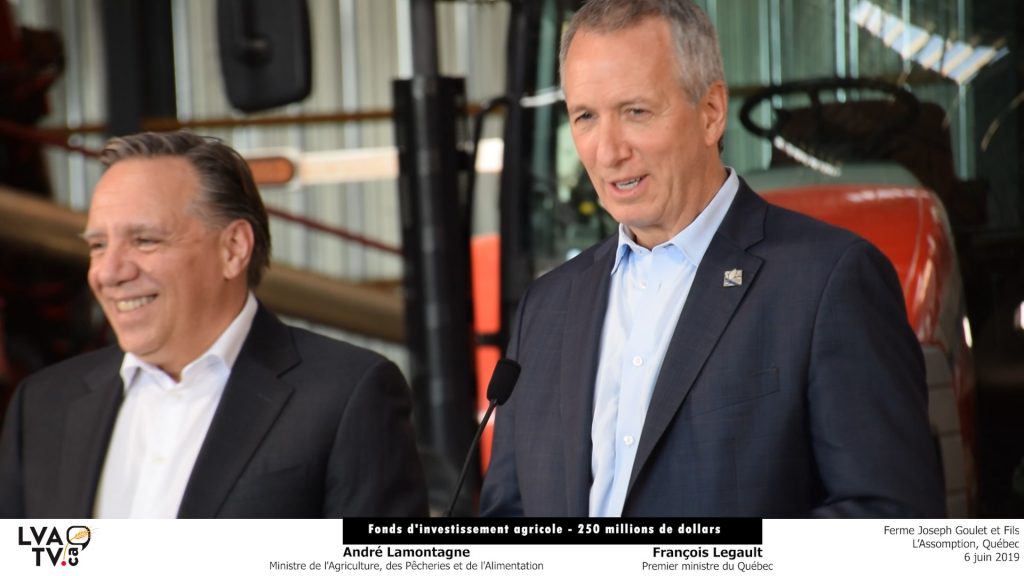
{"points": [[783, 225], [56, 377], [318, 348], [798, 243], [78, 366]]}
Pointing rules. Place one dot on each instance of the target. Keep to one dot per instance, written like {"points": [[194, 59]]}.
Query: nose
{"points": [[112, 267], [612, 147]]}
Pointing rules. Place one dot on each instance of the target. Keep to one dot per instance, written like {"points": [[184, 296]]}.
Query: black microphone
{"points": [[503, 380]]}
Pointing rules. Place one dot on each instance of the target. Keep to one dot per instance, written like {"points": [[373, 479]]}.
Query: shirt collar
{"points": [[694, 239], [224, 350]]}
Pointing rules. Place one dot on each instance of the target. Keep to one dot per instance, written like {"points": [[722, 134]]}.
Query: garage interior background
{"points": [[360, 46]]}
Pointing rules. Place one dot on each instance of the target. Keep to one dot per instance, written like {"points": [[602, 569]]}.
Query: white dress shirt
{"points": [[161, 426], [647, 293]]}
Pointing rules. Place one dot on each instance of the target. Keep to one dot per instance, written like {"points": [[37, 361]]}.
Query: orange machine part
{"points": [[485, 252]]}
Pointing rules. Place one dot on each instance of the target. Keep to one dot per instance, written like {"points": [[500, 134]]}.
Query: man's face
{"points": [[155, 267], [650, 152]]}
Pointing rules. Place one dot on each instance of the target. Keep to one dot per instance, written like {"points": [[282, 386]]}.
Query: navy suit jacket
{"points": [[800, 392], [307, 427]]}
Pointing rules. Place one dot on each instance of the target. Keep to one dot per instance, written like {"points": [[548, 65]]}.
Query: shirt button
{"points": [[628, 440], [642, 284], [638, 361], [159, 460]]}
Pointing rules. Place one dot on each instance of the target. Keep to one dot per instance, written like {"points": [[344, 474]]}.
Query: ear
{"points": [[236, 242], [714, 108]]}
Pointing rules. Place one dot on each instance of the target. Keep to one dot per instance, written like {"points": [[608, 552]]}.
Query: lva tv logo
{"points": [[50, 543]]}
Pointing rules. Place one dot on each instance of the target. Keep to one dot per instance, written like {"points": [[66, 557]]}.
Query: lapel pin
{"points": [[732, 278]]}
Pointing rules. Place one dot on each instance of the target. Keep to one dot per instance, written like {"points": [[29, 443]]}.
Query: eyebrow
{"points": [[638, 101], [626, 102], [576, 108], [130, 230]]}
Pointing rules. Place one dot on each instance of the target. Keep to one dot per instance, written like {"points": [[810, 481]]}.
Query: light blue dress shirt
{"points": [[647, 293]]}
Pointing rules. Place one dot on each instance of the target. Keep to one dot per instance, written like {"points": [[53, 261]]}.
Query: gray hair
{"points": [[227, 189], [698, 55]]}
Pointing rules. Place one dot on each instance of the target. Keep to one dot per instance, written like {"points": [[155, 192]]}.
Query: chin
{"points": [[134, 346]]}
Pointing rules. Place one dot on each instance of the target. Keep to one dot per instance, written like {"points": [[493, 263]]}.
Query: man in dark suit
{"points": [[209, 406], [721, 356]]}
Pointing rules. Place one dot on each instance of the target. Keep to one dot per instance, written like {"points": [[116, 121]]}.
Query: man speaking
{"points": [[720, 356]]}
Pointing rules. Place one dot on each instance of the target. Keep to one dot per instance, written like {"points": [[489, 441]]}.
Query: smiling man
{"points": [[209, 406], [718, 356]]}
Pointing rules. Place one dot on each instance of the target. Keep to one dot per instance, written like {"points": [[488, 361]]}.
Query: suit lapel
{"points": [[89, 421], [580, 352], [252, 400], [708, 309]]}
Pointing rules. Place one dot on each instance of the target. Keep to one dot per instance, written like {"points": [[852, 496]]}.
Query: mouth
{"points": [[131, 304], [627, 185]]}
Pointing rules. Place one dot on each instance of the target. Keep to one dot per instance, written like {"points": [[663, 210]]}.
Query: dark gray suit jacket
{"points": [[800, 392], [307, 427]]}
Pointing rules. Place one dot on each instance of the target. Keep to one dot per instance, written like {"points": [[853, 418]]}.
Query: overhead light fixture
{"points": [[293, 168], [956, 60], [542, 98]]}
